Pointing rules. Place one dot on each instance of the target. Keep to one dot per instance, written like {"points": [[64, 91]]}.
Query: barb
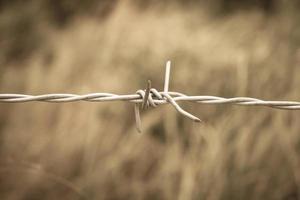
{"points": [[151, 98], [167, 77], [146, 97]]}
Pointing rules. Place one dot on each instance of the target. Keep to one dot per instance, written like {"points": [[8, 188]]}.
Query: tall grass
{"points": [[237, 153]]}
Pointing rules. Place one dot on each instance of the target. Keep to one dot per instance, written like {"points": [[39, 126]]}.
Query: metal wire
{"points": [[151, 97], [137, 98]]}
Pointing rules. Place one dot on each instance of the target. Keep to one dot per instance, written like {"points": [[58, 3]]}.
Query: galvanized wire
{"points": [[151, 97], [157, 100]]}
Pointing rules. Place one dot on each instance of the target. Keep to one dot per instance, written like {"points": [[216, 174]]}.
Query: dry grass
{"points": [[55, 151]]}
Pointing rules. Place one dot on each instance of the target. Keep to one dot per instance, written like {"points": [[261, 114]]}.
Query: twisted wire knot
{"points": [[151, 97], [147, 96]]}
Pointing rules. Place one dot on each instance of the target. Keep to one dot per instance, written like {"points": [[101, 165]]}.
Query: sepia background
{"points": [[92, 150]]}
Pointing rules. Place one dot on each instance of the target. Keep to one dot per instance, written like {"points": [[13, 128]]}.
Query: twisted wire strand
{"points": [[150, 97], [154, 98]]}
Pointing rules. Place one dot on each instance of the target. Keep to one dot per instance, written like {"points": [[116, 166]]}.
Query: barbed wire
{"points": [[150, 97]]}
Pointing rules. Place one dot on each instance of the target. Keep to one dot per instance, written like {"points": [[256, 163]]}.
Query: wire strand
{"points": [[157, 100], [150, 97]]}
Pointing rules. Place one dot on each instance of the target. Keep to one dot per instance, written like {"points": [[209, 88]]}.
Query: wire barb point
{"points": [[167, 76], [146, 97], [138, 122]]}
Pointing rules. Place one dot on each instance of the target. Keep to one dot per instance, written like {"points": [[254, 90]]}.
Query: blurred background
{"points": [[92, 151]]}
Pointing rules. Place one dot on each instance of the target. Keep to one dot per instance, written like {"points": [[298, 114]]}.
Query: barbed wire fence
{"points": [[150, 97]]}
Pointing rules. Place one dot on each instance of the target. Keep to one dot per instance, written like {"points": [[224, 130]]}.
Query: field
{"points": [[92, 150]]}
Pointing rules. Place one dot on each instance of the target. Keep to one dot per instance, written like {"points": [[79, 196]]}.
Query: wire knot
{"points": [[151, 97]]}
